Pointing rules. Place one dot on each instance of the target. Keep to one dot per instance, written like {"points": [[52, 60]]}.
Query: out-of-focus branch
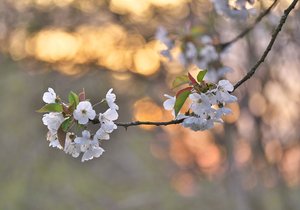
{"points": [[247, 76], [222, 46], [269, 47]]}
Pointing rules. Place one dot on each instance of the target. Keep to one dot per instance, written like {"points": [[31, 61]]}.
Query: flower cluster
{"points": [[62, 119], [207, 105], [199, 50], [236, 11]]}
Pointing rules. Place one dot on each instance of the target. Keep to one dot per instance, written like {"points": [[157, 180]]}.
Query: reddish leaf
{"points": [[193, 81], [82, 95], [61, 136]]}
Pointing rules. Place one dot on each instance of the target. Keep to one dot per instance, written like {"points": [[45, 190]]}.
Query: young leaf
{"points": [[181, 97], [54, 107], [192, 80], [73, 99], [66, 124], [180, 80], [61, 136], [201, 75]]}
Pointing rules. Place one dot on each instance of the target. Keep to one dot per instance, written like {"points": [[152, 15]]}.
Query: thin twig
{"points": [[248, 75], [222, 46], [269, 47], [135, 123]]}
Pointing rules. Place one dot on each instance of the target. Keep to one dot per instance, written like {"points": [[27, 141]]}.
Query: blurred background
{"points": [[250, 162]]}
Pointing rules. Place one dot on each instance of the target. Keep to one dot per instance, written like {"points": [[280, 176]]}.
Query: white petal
{"points": [[91, 114], [111, 114], [86, 134], [83, 120], [226, 85]]}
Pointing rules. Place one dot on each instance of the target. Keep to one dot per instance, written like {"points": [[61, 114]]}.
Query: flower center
{"points": [[83, 111]]}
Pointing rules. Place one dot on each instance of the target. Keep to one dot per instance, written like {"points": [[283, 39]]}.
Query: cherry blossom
{"points": [[106, 120], [83, 112], [50, 96], [110, 99]]}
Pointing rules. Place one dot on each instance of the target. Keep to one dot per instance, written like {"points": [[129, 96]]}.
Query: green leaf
{"points": [[66, 124], [73, 99], [54, 107], [180, 80], [181, 97], [201, 75]]}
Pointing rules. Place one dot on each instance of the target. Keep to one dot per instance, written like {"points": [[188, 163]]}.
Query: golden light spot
{"points": [[70, 69], [209, 159], [157, 151], [242, 152], [54, 45], [234, 116], [273, 151], [184, 184], [290, 165], [121, 76], [257, 104], [146, 61], [45, 3], [136, 7], [179, 153], [168, 3], [147, 110], [197, 141]]}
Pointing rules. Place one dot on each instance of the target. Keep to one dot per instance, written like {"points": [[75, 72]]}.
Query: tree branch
{"points": [[248, 75], [135, 123], [222, 46], [269, 47]]}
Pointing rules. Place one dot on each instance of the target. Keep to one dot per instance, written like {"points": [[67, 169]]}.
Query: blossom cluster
{"points": [[61, 118], [200, 51], [236, 11], [207, 103]]}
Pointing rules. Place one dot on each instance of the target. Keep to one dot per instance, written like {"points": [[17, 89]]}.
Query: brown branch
{"points": [[222, 46], [269, 47], [248, 75], [135, 123]]}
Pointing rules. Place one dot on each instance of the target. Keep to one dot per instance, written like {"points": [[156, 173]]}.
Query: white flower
{"points": [[225, 85], [162, 35], [170, 102], [106, 119], [90, 147], [101, 134], [197, 123], [52, 137], [50, 96], [191, 51], [110, 99], [200, 103], [53, 120], [206, 39], [222, 93], [83, 112], [239, 11], [222, 111], [83, 141], [71, 147], [93, 150], [209, 54]]}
